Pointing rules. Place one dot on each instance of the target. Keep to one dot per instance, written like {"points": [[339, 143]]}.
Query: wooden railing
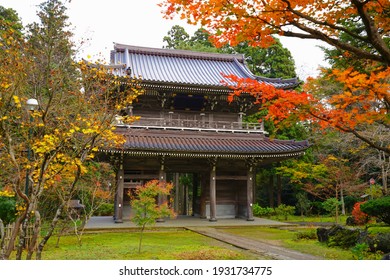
{"points": [[6, 236], [185, 124]]}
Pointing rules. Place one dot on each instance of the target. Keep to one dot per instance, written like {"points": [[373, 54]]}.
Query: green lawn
{"points": [[157, 245], [290, 238], [171, 244], [311, 219]]}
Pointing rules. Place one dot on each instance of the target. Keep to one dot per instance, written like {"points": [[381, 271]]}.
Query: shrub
{"points": [[359, 217], [379, 208], [330, 205], [259, 211], [360, 251], [349, 202], [344, 238], [284, 210], [303, 203], [317, 208], [7, 209], [374, 191], [308, 234], [340, 236], [380, 242], [105, 209]]}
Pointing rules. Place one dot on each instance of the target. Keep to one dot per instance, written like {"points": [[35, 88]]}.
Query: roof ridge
{"points": [[180, 53], [290, 141], [266, 79]]}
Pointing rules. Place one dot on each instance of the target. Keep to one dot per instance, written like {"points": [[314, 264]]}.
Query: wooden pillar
{"points": [[249, 193], [279, 188], [177, 192], [162, 177], [240, 119], [195, 185], [120, 175], [271, 191], [203, 183], [213, 193]]}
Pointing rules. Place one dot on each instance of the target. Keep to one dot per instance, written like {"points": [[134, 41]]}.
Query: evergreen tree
{"points": [[177, 38], [273, 62], [53, 52]]}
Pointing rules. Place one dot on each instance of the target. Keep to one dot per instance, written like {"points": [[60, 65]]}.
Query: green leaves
{"points": [[145, 203]]}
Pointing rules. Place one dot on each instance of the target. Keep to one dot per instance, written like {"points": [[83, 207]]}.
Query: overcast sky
{"points": [[139, 23]]}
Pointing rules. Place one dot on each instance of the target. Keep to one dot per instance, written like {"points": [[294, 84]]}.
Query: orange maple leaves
{"points": [[361, 100], [279, 103], [234, 21]]}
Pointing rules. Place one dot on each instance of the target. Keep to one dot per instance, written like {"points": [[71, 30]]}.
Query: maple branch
{"points": [[315, 34], [354, 132], [369, 142], [372, 31], [324, 23], [373, 36]]}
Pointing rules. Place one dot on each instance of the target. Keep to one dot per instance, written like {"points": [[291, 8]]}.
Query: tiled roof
{"points": [[189, 68], [198, 144]]}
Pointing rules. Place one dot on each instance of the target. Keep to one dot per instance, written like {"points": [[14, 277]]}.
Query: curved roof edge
{"points": [[172, 66], [293, 82], [179, 53]]}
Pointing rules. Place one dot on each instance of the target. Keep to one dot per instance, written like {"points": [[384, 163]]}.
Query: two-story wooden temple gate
{"points": [[187, 126]]}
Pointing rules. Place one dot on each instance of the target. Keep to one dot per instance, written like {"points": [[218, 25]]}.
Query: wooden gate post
{"points": [[120, 177], [213, 192], [162, 177], [249, 190]]}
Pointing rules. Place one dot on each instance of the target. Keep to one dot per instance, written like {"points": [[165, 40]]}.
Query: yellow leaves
{"points": [[20, 208], [332, 157], [17, 101], [46, 145], [5, 85], [7, 193], [91, 130]]}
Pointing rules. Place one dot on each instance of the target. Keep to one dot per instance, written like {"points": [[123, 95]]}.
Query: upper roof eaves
{"points": [[210, 73]]}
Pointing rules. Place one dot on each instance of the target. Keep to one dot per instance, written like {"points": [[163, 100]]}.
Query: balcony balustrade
{"points": [[199, 125]]}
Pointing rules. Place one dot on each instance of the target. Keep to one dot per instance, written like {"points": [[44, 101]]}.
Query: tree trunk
{"points": [[23, 231], [37, 229], [2, 235], [140, 238], [279, 188], [50, 232], [342, 201], [271, 191], [11, 243], [337, 206], [1, 231], [385, 165]]}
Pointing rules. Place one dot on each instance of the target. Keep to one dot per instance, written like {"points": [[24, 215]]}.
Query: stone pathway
{"points": [[256, 246]]}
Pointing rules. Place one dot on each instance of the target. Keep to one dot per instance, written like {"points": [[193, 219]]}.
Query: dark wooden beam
{"points": [[231, 178], [213, 193], [141, 176], [119, 193]]}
